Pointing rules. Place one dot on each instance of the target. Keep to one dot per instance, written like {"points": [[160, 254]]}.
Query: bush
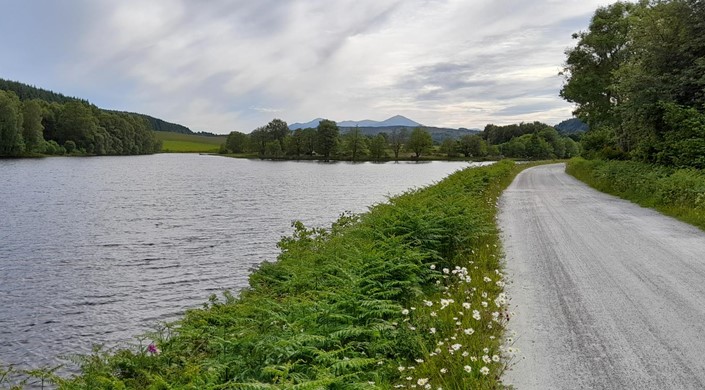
{"points": [[676, 192]]}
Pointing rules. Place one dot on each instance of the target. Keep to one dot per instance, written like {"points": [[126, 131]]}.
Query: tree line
{"points": [[33, 126], [524, 141], [325, 141], [636, 78]]}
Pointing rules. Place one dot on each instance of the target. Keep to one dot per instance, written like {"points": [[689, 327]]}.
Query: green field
{"points": [[189, 143]]}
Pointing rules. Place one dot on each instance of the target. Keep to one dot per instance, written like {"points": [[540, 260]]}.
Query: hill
{"points": [[28, 92]]}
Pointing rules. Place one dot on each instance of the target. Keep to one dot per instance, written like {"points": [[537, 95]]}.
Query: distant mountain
{"points": [[438, 134], [571, 126], [396, 120]]}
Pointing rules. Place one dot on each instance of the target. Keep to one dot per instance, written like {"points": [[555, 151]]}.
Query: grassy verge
{"points": [[189, 143], [407, 295], [679, 193]]}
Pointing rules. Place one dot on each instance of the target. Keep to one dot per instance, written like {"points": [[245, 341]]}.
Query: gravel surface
{"points": [[607, 294]]}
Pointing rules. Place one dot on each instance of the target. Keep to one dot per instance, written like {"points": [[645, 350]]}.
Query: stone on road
{"points": [[607, 294]]}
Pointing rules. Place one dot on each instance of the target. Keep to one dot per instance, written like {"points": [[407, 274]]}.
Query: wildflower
{"points": [[495, 358], [152, 349], [432, 330], [473, 358], [483, 303], [486, 279], [405, 312], [456, 346], [433, 314], [433, 266], [466, 305], [486, 358], [465, 353], [476, 315], [422, 381], [484, 370], [444, 370], [419, 361], [446, 302], [469, 331], [486, 350], [467, 368], [446, 271]]}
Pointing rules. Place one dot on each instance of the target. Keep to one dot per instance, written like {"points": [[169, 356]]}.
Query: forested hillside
{"points": [[36, 121], [637, 79]]}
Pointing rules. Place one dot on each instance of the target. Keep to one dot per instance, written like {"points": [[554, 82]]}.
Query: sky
{"points": [[224, 65]]}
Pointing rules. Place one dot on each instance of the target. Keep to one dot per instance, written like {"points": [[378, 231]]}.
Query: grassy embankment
{"points": [[679, 193], [189, 143], [409, 294]]}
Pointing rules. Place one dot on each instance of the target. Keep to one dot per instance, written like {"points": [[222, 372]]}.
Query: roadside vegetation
{"points": [[636, 78], [407, 295], [676, 192]]}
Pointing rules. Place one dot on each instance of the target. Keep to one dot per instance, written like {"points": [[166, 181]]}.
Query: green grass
{"points": [[408, 293], [679, 193], [189, 143]]}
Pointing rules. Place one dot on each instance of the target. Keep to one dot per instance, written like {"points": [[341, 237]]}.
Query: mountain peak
{"points": [[396, 120]]}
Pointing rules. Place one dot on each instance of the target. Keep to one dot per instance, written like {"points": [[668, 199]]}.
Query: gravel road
{"points": [[607, 294]]}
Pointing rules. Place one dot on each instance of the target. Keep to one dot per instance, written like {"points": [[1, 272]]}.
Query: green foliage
{"points": [[472, 146], [397, 140], [632, 70], [11, 143], [420, 141], [327, 134], [449, 147], [236, 142], [676, 192], [378, 147], [91, 130], [32, 128], [347, 307], [355, 144]]}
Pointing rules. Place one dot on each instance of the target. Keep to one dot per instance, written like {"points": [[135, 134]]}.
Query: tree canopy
{"points": [[636, 78]]}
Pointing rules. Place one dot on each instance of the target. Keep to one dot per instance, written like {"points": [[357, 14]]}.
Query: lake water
{"points": [[98, 250]]}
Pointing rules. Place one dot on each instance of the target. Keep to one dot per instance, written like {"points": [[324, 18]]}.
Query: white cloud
{"points": [[225, 65]]}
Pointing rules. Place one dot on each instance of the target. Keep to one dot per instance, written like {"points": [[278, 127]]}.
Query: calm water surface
{"points": [[98, 250]]}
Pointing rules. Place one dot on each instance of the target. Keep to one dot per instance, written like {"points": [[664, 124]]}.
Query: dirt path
{"points": [[607, 295]]}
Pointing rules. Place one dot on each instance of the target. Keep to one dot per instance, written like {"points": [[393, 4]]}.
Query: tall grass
{"points": [[676, 192], [407, 295]]}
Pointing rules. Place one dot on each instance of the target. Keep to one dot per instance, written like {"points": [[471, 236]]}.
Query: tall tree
{"points": [[355, 144], [420, 141], [397, 140], [590, 66], [11, 142], [327, 134], [277, 129], [378, 147], [32, 126], [236, 142], [473, 146]]}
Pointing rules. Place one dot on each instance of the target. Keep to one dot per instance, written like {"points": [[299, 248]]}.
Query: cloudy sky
{"points": [[223, 65]]}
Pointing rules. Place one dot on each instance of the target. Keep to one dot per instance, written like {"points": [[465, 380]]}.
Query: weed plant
{"points": [[676, 192], [407, 295]]}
